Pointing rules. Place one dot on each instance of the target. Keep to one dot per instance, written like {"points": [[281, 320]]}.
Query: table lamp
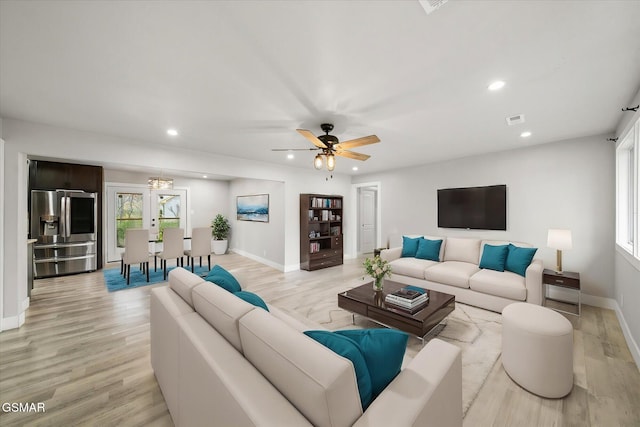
{"points": [[559, 240]]}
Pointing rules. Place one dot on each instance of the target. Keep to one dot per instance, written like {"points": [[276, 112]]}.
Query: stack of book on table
{"points": [[406, 299]]}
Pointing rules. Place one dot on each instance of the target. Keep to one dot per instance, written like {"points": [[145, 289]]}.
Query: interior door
{"points": [[140, 207], [367, 199]]}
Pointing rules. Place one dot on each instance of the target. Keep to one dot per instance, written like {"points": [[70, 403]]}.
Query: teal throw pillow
{"points": [[410, 246], [346, 347], [223, 278], [429, 249], [383, 351], [251, 298], [518, 259], [494, 257]]}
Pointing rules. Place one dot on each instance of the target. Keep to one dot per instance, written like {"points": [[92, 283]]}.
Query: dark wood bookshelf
{"points": [[321, 218]]}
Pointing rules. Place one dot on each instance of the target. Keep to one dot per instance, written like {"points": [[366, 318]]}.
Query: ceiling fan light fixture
{"points": [[317, 162], [331, 162]]}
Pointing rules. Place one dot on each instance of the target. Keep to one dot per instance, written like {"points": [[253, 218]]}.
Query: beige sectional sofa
{"points": [[458, 273], [220, 361]]}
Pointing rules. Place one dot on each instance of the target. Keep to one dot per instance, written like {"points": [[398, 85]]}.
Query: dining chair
{"points": [[172, 247], [136, 251], [200, 246]]}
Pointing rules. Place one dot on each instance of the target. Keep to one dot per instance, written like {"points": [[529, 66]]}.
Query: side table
{"points": [[567, 280]]}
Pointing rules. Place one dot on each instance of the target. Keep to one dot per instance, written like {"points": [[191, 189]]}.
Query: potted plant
{"points": [[220, 231]]}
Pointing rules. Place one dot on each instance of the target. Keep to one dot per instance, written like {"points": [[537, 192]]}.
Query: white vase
{"points": [[220, 246]]}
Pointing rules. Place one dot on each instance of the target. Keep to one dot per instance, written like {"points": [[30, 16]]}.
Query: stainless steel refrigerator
{"points": [[65, 224]]}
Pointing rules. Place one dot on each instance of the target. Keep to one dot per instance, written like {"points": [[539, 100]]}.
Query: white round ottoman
{"points": [[537, 349]]}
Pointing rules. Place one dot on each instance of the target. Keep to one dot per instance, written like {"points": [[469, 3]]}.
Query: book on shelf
{"points": [[314, 247], [319, 202]]}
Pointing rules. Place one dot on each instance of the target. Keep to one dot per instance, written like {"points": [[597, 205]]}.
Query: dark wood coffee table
{"points": [[364, 301]]}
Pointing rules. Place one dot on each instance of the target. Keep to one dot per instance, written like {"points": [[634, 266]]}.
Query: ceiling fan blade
{"points": [[352, 155], [294, 149], [311, 137], [365, 140]]}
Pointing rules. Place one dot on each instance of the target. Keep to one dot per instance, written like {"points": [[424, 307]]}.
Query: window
{"points": [[128, 214], [627, 191]]}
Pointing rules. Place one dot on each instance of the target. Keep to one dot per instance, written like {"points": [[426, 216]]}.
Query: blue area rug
{"points": [[116, 282]]}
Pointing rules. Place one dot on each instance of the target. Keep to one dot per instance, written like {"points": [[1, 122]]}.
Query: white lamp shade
{"points": [[559, 239]]}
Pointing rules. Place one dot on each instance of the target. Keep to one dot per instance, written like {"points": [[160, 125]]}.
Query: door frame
{"points": [[109, 212], [355, 215]]}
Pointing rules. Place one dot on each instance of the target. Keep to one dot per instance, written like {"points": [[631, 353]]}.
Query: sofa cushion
{"points": [[252, 299], [462, 249], [221, 309], [429, 249], [383, 351], [503, 284], [346, 347], [412, 267], [454, 273], [518, 259], [410, 246], [183, 282], [318, 382], [494, 257], [223, 278]]}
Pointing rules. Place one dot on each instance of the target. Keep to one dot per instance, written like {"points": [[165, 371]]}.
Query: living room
{"points": [[560, 180]]}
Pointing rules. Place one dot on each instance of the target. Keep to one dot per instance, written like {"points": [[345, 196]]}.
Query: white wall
{"points": [[55, 143], [561, 185], [263, 241], [1, 228], [627, 270]]}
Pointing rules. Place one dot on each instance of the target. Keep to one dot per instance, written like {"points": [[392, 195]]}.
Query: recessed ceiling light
{"points": [[497, 85], [290, 156], [204, 176], [525, 134], [355, 168], [172, 132]]}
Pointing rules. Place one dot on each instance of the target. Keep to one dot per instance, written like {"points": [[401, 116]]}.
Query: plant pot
{"points": [[220, 246]]}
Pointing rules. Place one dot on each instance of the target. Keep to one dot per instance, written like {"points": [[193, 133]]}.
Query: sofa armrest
{"points": [[428, 392], [391, 254], [533, 282]]}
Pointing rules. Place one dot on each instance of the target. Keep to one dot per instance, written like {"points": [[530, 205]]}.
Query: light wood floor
{"points": [[84, 352]]}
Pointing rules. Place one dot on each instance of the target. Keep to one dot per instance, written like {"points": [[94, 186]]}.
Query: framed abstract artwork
{"points": [[253, 208]]}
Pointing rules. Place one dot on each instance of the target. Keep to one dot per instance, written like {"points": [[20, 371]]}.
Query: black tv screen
{"points": [[478, 208]]}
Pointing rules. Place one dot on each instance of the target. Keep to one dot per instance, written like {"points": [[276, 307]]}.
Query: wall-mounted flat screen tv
{"points": [[478, 208]]}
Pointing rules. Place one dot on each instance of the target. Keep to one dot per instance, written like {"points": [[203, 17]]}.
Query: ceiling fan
{"points": [[331, 146]]}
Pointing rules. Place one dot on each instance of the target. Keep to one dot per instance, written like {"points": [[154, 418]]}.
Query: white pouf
{"points": [[537, 349]]}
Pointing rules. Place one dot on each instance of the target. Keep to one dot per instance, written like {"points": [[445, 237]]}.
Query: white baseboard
{"points": [[12, 322], [612, 304], [275, 265], [631, 343], [25, 304]]}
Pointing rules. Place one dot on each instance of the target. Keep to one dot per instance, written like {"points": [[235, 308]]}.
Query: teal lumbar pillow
{"points": [[224, 279], [494, 257], [518, 259], [348, 348], [383, 351], [429, 249], [410, 246], [251, 298]]}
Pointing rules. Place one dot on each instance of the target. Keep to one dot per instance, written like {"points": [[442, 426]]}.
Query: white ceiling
{"points": [[237, 78]]}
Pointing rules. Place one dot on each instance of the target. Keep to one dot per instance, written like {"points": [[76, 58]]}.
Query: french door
{"points": [[140, 207]]}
